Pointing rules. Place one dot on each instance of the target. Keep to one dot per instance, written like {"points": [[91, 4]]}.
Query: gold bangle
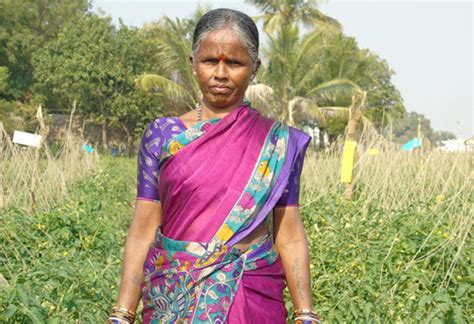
{"points": [[120, 314], [302, 315], [124, 309]]}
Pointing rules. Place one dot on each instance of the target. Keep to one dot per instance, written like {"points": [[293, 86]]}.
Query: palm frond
{"points": [[262, 96], [303, 109], [325, 89], [168, 88]]}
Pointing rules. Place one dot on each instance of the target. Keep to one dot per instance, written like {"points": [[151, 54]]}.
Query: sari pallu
{"points": [[218, 181]]}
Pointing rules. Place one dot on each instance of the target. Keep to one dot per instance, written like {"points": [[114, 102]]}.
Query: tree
{"points": [[25, 26], [315, 75], [289, 78], [173, 79], [406, 129], [282, 12], [96, 64]]}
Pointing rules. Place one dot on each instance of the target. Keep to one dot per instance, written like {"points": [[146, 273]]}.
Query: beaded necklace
{"points": [[199, 113]]}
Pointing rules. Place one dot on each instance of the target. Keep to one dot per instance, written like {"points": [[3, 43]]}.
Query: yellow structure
{"points": [[348, 158]]}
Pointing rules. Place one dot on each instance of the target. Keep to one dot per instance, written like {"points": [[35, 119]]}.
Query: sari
{"points": [[218, 182]]}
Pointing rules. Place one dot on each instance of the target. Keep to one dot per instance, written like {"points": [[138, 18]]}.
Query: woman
{"points": [[203, 246]]}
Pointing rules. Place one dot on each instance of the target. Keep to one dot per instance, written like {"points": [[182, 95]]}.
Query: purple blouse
{"points": [[158, 132]]}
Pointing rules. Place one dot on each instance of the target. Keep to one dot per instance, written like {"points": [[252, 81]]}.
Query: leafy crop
{"points": [[401, 251]]}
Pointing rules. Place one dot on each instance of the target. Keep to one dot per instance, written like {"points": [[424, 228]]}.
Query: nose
{"points": [[221, 71]]}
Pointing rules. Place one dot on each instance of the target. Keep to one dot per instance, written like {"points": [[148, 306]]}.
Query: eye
{"points": [[234, 63], [211, 61]]}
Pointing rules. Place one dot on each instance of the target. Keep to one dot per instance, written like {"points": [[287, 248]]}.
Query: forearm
{"points": [[136, 249], [295, 259], [141, 235]]}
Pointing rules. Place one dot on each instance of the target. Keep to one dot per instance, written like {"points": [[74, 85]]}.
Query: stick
{"points": [[43, 133], [358, 101]]}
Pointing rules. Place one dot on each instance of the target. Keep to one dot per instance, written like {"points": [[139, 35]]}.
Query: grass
{"points": [[400, 251], [55, 171], [63, 264]]}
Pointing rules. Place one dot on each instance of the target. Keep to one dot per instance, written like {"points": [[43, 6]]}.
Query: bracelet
{"points": [[120, 314], [306, 316]]}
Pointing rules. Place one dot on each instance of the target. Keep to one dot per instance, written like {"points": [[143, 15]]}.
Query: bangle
{"points": [[305, 316], [121, 315]]}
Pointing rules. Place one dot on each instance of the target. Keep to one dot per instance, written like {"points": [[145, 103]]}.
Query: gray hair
{"points": [[240, 23]]}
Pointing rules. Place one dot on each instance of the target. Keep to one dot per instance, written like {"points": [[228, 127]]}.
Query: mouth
{"points": [[220, 89]]}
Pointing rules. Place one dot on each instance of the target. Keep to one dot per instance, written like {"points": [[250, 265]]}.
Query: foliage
{"points": [[398, 253], [314, 76], [401, 250], [54, 172], [24, 27], [406, 129], [63, 264], [171, 42], [96, 64], [276, 13], [290, 76]]}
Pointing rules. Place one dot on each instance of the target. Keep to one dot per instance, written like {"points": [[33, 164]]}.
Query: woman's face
{"points": [[224, 68]]}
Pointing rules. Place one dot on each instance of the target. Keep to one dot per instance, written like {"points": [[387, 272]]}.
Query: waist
{"points": [[203, 254]]}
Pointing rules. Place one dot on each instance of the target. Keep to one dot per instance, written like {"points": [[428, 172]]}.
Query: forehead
{"points": [[222, 42]]}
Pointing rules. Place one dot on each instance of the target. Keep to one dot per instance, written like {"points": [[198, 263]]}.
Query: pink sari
{"points": [[219, 180]]}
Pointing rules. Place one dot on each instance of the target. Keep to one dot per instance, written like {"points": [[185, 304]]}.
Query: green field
{"points": [[377, 259]]}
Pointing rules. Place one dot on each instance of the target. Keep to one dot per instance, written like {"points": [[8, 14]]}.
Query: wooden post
{"points": [[419, 133], [350, 145], [34, 175], [71, 117], [390, 136], [2, 199]]}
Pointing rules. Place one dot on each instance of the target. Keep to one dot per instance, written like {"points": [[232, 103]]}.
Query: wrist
{"points": [[305, 316], [121, 315]]}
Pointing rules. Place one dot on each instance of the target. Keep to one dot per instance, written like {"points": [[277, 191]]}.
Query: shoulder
{"points": [[298, 140], [164, 126], [299, 134]]}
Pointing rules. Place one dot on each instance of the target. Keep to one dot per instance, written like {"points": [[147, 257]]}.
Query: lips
{"points": [[220, 89]]}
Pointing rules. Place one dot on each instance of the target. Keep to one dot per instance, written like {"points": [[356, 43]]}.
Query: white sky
{"points": [[429, 44]]}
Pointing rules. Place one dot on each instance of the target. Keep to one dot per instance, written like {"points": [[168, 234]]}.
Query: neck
{"points": [[209, 111]]}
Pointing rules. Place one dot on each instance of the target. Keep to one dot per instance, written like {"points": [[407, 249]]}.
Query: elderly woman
{"points": [[217, 233]]}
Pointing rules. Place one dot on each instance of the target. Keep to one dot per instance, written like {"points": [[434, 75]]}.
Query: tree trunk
{"points": [[129, 140], [104, 128]]}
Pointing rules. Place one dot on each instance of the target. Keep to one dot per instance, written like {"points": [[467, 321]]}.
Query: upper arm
{"points": [[288, 226], [146, 219], [148, 163], [148, 214]]}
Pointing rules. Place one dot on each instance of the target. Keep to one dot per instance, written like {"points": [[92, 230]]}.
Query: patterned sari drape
{"points": [[219, 180]]}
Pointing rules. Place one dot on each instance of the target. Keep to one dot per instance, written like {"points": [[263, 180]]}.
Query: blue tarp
{"points": [[411, 145], [88, 148]]}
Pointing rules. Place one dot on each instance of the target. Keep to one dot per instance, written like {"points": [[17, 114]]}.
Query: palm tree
{"points": [[291, 82], [280, 12], [170, 47]]}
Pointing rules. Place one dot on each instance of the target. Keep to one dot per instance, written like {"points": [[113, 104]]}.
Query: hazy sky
{"points": [[429, 44]]}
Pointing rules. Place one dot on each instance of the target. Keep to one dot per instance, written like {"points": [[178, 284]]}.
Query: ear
{"points": [[191, 61], [257, 66]]}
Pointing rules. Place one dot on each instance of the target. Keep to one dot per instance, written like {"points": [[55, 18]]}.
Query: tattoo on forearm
{"points": [[137, 280], [299, 279]]}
